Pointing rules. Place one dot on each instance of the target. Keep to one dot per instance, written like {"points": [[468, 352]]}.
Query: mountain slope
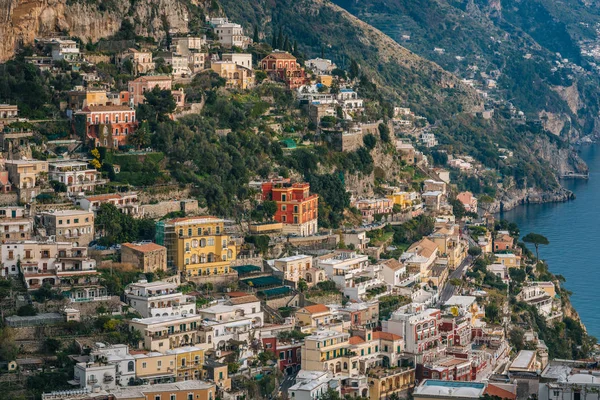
{"points": [[515, 42]]}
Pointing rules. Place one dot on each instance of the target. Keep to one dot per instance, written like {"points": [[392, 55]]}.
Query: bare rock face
{"points": [[21, 21]]}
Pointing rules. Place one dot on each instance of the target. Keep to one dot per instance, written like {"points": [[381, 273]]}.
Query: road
{"points": [[458, 273], [288, 382]]}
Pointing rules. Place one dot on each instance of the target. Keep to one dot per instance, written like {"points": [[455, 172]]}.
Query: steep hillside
{"points": [[522, 44], [21, 21]]}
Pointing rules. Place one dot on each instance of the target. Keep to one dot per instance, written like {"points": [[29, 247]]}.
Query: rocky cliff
{"points": [[21, 21]]}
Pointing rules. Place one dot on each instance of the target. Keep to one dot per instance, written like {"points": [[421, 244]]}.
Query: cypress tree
{"points": [[255, 36]]}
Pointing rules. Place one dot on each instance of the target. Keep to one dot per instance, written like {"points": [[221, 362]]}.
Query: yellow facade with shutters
{"points": [[201, 246], [189, 362]]}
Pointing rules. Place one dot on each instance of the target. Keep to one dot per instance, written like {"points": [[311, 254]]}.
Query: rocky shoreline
{"points": [[515, 198]]}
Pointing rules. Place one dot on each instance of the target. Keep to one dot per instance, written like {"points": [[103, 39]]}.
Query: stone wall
{"points": [[258, 261], [219, 281], [7, 199], [329, 298], [287, 301], [189, 206]]}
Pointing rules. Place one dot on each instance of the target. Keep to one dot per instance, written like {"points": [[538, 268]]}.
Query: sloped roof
{"points": [[386, 336], [317, 308]]}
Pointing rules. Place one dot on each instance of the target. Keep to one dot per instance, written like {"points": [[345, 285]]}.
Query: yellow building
{"points": [[197, 246], [328, 350], [384, 382], [403, 199], [237, 77], [188, 362], [314, 316], [155, 367], [326, 80]]}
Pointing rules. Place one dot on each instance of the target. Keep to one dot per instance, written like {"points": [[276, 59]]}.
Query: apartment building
{"points": [[284, 67], [76, 226], [189, 362], [315, 316], [369, 208], [77, 175], [15, 224], [295, 267], [127, 203], [62, 265], [156, 299], [211, 327], [108, 366], [25, 176], [236, 76], [197, 246], [297, 209], [232, 35], [385, 382], [155, 367], [149, 257], [141, 85], [418, 325], [106, 126], [241, 59], [187, 44], [327, 350], [141, 60], [342, 265]]}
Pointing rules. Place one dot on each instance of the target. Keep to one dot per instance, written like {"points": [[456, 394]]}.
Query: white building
{"points": [[311, 385], [109, 366], [321, 66], [394, 273], [342, 266], [241, 59], [428, 139], [67, 50], [294, 268], [230, 35], [156, 299], [75, 174], [418, 325]]}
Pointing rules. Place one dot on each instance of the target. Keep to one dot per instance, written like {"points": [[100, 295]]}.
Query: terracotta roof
{"points": [[143, 247], [494, 390], [103, 197], [184, 219], [107, 108], [317, 308], [392, 264], [424, 247], [386, 336], [281, 55], [238, 294], [356, 340], [243, 300]]}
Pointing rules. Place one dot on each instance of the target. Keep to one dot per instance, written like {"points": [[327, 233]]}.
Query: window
{"points": [[172, 397], [130, 366], [159, 363], [282, 355], [144, 365], [157, 397], [76, 220], [190, 396]]}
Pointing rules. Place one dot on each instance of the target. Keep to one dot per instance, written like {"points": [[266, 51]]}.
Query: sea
{"points": [[573, 229]]}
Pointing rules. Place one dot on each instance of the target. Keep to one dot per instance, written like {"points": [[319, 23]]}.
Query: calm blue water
{"points": [[573, 229]]}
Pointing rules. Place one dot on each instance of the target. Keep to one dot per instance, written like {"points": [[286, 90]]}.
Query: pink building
{"points": [[371, 207], [141, 85], [468, 200]]}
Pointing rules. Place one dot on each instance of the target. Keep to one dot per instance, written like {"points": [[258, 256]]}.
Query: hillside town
{"points": [[116, 285]]}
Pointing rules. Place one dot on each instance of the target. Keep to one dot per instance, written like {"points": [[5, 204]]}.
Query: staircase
{"points": [[271, 314]]}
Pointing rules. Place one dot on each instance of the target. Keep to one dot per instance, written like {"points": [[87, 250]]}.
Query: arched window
{"points": [[202, 242], [195, 243], [130, 366]]}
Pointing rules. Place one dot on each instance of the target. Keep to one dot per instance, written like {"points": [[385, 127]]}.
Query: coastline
{"points": [[515, 198]]}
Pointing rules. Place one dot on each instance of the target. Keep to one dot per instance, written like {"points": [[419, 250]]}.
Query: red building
{"points": [[287, 354], [283, 66], [297, 209], [456, 331], [106, 126]]}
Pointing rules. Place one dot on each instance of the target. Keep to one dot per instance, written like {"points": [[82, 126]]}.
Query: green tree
{"points": [[157, 106], [302, 285], [354, 70], [255, 38], [269, 208], [26, 311], [474, 251], [536, 239], [141, 137], [384, 133], [369, 141]]}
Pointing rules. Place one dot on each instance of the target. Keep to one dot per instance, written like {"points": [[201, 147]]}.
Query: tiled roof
{"points": [[146, 247], [356, 340], [282, 55], [386, 336], [496, 391], [317, 308]]}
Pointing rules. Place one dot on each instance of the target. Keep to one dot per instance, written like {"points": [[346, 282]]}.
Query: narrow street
{"points": [[458, 273]]}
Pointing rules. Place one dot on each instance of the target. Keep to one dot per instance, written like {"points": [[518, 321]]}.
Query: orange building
{"points": [[297, 209], [106, 126], [283, 66]]}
